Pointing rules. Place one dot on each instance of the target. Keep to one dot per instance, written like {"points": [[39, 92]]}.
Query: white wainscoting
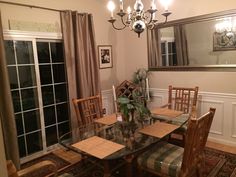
{"points": [[223, 129], [107, 101]]}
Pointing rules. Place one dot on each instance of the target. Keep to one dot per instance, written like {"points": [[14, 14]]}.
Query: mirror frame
{"points": [[189, 20]]}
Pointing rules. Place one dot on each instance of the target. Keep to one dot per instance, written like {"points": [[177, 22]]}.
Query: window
{"points": [[168, 52], [39, 92]]}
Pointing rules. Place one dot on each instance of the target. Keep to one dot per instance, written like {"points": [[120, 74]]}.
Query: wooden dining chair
{"points": [[35, 170], [181, 99], [88, 109], [166, 159]]}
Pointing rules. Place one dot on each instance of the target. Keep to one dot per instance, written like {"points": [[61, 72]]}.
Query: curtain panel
{"points": [[6, 109], [181, 45], [81, 57], [154, 48]]}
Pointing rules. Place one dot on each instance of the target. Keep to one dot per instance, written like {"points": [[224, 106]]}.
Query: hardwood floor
{"points": [[221, 147]]}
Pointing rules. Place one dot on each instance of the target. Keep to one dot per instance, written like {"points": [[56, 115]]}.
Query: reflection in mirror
{"points": [[195, 42]]}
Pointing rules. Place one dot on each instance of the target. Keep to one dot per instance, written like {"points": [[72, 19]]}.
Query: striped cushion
{"points": [[66, 175], [164, 158]]}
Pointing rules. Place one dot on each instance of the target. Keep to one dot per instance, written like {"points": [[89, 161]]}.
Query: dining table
{"points": [[106, 143]]}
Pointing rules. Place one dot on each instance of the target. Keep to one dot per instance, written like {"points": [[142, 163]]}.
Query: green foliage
{"points": [[133, 109]]}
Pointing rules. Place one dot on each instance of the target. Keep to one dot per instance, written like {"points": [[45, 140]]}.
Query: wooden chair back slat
{"points": [[196, 138], [184, 98], [88, 109]]}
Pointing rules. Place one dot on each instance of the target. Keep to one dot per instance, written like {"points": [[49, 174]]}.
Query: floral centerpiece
{"points": [[133, 111], [140, 78]]}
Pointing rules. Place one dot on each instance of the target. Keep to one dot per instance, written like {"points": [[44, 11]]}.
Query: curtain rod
{"points": [[30, 6]]}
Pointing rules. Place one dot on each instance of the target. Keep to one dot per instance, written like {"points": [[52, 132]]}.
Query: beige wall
{"points": [[136, 52], [103, 31]]}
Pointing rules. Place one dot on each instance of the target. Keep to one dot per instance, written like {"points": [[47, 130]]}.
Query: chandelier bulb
{"points": [[138, 6]]}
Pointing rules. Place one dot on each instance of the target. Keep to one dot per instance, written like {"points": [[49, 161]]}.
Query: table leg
{"points": [[107, 172], [129, 165]]}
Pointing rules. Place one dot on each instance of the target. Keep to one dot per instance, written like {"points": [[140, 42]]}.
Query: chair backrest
{"points": [[182, 99], [88, 109], [196, 138]]}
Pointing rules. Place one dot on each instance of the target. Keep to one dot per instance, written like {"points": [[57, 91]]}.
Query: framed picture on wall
{"points": [[224, 41], [105, 56]]}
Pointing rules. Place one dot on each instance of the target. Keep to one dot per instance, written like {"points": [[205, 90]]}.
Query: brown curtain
{"points": [[154, 48], [181, 45], [6, 108], [81, 57]]}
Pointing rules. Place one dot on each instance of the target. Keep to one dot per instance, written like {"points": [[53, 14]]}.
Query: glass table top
{"points": [[134, 141]]}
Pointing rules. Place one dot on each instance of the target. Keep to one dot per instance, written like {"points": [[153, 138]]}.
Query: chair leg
{"points": [[200, 168], [140, 172]]}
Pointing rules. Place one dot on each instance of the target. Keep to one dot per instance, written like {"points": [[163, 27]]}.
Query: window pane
{"points": [[19, 124], [163, 48], [61, 93], [164, 60], [51, 135], [58, 73], [47, 93], [57, 52], [34, 142], [29, 99], [173, 47], [45, 74], [49, 115], [63, 128], [16, 100], [9, 49], [13, 77], [27, 76], [169, 47], [62, 112], [32, 121], [24, 52], [43, 52], [21, 145]]}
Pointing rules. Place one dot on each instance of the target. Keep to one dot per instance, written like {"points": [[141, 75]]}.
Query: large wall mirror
{"points": [[206, 42]]}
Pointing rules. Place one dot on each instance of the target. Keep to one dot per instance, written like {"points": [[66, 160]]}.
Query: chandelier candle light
{"points": [[139, 19]]}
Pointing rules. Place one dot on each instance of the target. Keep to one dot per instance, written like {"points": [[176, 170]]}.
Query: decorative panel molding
{"points": [[233, 120], [218, 121], [107, 101]]}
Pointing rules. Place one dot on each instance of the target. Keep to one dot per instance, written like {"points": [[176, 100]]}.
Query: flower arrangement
{"points": [[133, 111]]}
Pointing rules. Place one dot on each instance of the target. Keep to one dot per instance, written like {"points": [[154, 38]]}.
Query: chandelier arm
{"points": [[150, 21], [151, 27], [122, 20], [118, 28]]}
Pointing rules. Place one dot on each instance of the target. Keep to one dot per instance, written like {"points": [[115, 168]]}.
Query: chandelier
{"points": [[138, 19]]}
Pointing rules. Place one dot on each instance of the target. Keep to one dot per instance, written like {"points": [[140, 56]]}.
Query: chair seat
{"points": [[66, 175], [164, 158], [182, 129]]}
